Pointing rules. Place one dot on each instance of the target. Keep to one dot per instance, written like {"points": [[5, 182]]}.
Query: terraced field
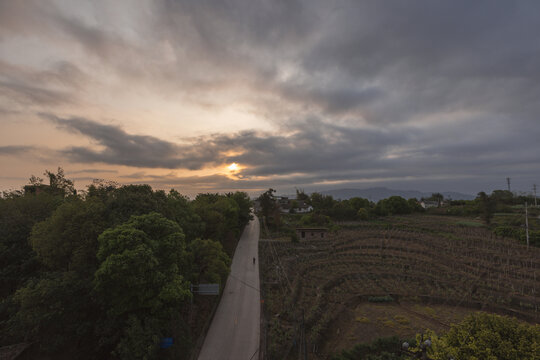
{"points": [[412, 260]]}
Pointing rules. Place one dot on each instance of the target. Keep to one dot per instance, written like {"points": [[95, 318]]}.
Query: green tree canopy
{"points": [[483, 336], [141, 265], [393, 205], [141, 283], [18, 214], [220, 214], [55, 312], [68, 239], [268, 202], [486, 207], [210, 264]]}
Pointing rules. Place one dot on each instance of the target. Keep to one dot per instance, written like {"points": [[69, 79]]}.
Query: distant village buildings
{"points": [[426, 204]]}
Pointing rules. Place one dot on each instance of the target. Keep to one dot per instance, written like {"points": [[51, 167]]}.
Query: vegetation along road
{"points": [[234, 332]]}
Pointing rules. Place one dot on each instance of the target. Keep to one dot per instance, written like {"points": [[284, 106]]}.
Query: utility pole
{"points": [[534, 189], [508, 182], [527, 225]]}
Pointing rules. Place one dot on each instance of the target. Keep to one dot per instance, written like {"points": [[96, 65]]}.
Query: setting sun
{"points": [[233, 167]]}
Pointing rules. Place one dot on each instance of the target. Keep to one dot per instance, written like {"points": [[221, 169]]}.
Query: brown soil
{"points": [[367, 322], [435, 269]]}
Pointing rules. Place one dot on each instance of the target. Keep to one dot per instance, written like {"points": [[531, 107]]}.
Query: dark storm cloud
{"points": [[93, 171], [15, 150], [313, 152], [390, 61], [121, 148], [357, 90], [28, 152], [51, 87], [308, 147], [29, 94]]}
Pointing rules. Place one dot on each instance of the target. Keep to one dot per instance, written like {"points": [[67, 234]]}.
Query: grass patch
{"points": [[469, 224], [389, 323], [430, 311], [362, 319], [403, 320]]}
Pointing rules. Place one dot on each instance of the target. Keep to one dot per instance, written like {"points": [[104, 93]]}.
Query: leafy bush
{"points": [[518, 234]]}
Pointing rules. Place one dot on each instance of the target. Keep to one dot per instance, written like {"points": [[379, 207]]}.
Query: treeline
{"points": [[486, 205], [361, 209], [326, 208], [107, 273]]}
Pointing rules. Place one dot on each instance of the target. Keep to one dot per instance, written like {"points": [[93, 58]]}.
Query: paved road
{"points": [[235, 329]]}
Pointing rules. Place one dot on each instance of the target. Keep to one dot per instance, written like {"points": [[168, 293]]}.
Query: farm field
{"points": [[399, 277]]}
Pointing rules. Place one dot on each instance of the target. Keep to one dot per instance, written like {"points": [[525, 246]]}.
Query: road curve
{"points": [[235, 329]]}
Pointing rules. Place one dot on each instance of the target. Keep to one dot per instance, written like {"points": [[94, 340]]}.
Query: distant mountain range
{"points": [[378, 193]]}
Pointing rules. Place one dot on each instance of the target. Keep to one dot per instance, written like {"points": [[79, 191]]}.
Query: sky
{"points": [[213, 96]]}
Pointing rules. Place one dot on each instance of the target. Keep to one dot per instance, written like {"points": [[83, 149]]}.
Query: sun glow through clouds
{"points": [[233, 167]]}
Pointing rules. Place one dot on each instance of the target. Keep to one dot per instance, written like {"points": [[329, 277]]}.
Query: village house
{"points": [[287, 205], [311, 233], [426, 204]]}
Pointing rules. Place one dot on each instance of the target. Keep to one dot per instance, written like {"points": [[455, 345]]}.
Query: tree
{"points": [[141, 265], [209, 263], [180, 209], [414, 205], [68, 239], [101, 189], [438, 197], [504, 196], [360, 203], [321, 202], [362, 214], [267, 202], [129, 200], [141, 282], [302, 196], [485, 206], [489, 337], [294, 206], [56, 311], [59, 183], [244, 207], [393, 205], [18, 214], [220, 214]]}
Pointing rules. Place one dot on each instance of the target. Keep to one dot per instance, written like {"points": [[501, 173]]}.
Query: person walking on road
{"points": [[253, 261]]}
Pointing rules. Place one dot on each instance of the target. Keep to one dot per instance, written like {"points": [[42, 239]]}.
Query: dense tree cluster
{"points": [[107, 273], [362, 209]]}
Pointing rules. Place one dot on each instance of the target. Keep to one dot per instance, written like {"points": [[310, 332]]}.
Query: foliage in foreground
{"points": [[480, 336], [106, 274], [483, 336]]}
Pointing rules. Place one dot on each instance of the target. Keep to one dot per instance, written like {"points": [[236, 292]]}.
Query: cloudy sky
{"points": [[426, 95]]}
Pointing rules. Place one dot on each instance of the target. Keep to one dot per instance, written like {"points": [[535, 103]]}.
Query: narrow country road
{"points": [[235, 329]]}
